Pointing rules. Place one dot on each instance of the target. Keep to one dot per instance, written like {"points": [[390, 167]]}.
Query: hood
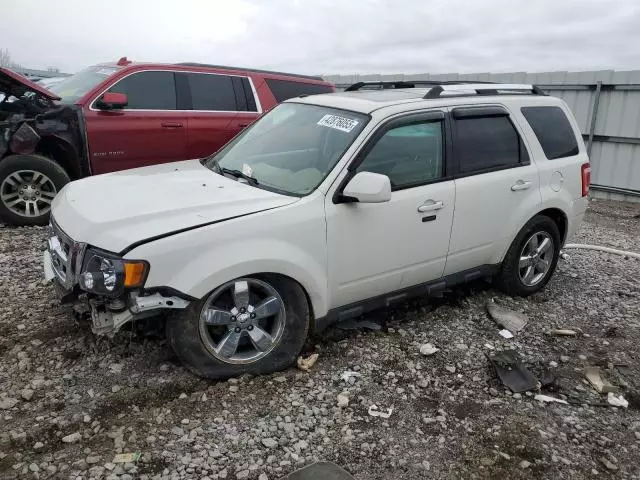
{"points": [[115, 210], [12, 83]]}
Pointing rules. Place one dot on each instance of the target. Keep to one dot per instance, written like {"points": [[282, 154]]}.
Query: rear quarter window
{"points": [[285, 89], [553, 130]]}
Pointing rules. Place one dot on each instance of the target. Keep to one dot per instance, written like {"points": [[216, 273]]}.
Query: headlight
{"points": [[107, 274]]}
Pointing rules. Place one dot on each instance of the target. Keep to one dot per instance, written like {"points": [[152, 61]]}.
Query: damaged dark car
{"points": [[35, 130]]}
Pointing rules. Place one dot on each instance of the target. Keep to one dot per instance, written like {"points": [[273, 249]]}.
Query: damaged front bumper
{"points": [[108, 315]]}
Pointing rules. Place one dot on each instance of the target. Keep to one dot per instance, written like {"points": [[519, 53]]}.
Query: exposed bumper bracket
{"points": [[151, 302]]}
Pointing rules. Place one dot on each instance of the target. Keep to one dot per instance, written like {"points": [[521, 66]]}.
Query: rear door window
{"points": [[148, 90], [212, 92], [487, 143], [285, 89], [553, 130]]}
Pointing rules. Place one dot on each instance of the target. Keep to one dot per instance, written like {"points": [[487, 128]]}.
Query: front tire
{"points": [[246, 326], [532, 258], [28, 184]]}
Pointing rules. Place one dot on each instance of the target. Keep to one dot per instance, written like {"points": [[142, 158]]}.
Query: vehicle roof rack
{"points": [[384, 85], [255, 70], [482, 89]]}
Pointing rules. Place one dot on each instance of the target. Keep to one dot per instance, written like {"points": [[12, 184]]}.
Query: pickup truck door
{"points": [[217, 106], [377, 248], [149, 130]]}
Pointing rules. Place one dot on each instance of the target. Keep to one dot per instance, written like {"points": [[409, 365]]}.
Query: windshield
{"points": [[291, 149], [72, 88]]}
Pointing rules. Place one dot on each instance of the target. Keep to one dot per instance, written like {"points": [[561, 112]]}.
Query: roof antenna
{"points": [[123, 62]]}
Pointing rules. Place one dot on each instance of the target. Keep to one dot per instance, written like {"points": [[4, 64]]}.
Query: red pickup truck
{"points": [[123, 115]]}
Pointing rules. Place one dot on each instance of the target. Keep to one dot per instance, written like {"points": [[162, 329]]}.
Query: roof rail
{"points": [[390, 84], [483, 89], [255, 70]]}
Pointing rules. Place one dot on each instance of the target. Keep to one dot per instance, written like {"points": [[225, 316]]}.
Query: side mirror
{"points": [[367, 187], [112, 101]]}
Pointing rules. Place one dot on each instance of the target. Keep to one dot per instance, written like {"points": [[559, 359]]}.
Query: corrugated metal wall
{"points": [[612, 98]]}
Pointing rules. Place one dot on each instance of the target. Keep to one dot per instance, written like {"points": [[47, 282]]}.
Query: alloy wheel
{"points": [[242, 321], [27, 193], [536, 258]]}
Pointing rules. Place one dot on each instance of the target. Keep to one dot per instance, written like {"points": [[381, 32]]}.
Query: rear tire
{"points": [[192, 339], [28, 184], [525, 268]]}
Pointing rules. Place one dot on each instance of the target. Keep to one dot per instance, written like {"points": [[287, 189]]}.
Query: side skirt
{"points": [[431, 288]]}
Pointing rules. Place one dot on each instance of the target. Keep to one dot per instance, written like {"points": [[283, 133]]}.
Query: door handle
{"points": [[430, 206], [520, 185], [243, 125], [171, 124]]}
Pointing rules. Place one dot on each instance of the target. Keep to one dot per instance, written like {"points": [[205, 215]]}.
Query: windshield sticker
{"points": [[339, 123], [247, 170]]}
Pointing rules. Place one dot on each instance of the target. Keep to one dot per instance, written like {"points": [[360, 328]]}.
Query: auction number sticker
{"points": [[339, 123]]}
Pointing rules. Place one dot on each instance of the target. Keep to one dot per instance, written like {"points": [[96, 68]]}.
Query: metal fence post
{"points": [[594, 116]]}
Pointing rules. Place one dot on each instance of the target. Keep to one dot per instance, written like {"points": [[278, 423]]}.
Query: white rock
{"points": [[263, 476], [269, 442], [343, 400], [428, 349], [73, 438], [7, 403]]}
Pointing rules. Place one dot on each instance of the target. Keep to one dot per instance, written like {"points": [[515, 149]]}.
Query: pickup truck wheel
{"points": [[532, 257], [28, 184], [247, 325]]}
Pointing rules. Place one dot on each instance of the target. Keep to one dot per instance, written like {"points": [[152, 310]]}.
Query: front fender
{"points": [[289, 240]]}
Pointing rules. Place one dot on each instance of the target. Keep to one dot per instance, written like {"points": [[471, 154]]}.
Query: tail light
{"points": [[586, 178]]}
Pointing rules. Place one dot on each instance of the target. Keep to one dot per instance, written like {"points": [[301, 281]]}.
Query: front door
{"points": [[374, 249], [149, 130], [497, 186]]}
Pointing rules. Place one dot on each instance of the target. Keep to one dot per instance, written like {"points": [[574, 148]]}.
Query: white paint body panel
{"points": [[339, 253]]}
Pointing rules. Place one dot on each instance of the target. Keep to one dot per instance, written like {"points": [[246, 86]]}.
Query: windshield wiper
{"points": [[239, 174]]}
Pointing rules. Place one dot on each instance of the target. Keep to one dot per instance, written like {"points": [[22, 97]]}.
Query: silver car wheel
{"points": [[536, 258], [242, 321], [27, 193]]}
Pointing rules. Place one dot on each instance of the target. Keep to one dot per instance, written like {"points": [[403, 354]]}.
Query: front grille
{"points": [[66, 255]]}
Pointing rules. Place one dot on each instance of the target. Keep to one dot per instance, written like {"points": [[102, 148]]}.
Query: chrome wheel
{"points": [[27, 193], [536, 258], [242, 321]]}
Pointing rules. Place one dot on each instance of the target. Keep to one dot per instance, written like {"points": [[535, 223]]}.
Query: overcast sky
{"points": [[329, 36]]}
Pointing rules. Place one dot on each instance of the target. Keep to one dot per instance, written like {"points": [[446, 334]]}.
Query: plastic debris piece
{"points": [[489, 346], [563, 332], [548, 399], [428, 349], [505, 333], [513, 374], [505, 318], [375, 412], [126, 457], [593, 375], [617, 400], [305, 363], [324, 470], [350, 376]]}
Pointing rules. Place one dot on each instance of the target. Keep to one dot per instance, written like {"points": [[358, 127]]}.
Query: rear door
{"points": [[217, 107], [149, 130], [497, 186]]}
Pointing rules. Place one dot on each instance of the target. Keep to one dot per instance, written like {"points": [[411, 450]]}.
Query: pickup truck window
{"points": [[292, 148], [148, 90], [212, 92]]}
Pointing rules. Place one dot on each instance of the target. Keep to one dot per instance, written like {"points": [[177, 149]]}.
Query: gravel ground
{"points": [[70, 401]]}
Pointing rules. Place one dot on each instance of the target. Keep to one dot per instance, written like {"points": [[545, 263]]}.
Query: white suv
{"points": [[325, 208]]}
